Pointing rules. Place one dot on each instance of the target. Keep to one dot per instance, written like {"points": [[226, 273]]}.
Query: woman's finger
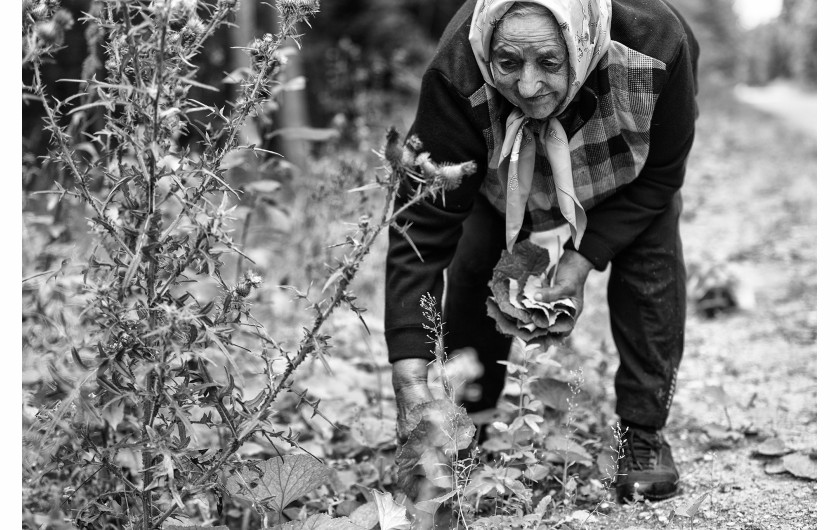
{"points": [[554, 293]]}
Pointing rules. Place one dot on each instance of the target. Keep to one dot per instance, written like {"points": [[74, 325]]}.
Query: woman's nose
{"points": [[529, 82]]}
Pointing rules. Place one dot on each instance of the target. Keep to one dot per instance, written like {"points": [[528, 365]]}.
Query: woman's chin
{"points": [[538, 111]]}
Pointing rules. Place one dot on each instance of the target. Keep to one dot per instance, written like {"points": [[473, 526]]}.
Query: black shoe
{"points": [[647, 468]]}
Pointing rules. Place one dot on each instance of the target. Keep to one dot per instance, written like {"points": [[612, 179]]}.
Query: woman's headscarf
{"points": [[585, 26]]}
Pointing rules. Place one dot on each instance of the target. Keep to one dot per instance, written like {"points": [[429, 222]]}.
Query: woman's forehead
{"points": [[530, 31]]}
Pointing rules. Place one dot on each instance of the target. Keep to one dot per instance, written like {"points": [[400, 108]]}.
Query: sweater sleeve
{"points": [[444, 124], [616, 222]]}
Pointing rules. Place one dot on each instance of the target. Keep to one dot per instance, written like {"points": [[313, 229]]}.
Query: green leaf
{"points": [[309, 134], [320, 521], [527, 259], [773, 447], [391, 515], [194, 527], [283, 479], [366, 515], [238, 158], [114, 413], [372, 432], [366, 187], [437, 431], [774, 467], [567, 449], [690, 508], [536, 472], [552, 392], [431, 505], [800, 465], [263, 186]]}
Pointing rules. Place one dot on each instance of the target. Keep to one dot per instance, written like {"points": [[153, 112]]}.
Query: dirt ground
{"points": [[749, 376]]}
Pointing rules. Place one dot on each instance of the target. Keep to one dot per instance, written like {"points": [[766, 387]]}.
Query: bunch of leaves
{"points": [[517, 313], [147, 406]]}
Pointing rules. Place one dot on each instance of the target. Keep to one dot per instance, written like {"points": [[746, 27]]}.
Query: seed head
{"points": [[253, 278], [243, 289], [414, 143], [296, 9], [50, 33], [409, 158], [429, 168], [452, 175], [393, 149], [193, 28], [39, 11], [64, 19]]}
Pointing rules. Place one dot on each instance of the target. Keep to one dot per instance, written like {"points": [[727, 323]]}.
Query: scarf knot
{"points": [[519, 153]]}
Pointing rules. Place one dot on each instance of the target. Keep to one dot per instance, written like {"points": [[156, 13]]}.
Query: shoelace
{"points": [[642, 449]]}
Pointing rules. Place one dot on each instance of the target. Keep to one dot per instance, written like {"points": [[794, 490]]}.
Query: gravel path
{"points": [[795, 106]]}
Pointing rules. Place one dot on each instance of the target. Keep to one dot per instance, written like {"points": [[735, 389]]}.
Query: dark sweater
{"points": [[453, 128]]}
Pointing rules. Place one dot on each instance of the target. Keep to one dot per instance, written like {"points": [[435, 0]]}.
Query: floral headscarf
{"points": [[585, 26]]}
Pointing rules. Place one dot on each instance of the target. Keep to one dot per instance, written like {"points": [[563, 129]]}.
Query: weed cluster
{"points": [[146, 407]]}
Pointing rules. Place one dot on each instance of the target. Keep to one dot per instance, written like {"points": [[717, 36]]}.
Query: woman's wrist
{"points": [[575, 260], [409, 373]]}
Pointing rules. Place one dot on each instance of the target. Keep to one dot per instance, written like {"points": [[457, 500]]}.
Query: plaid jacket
{"points": [[630, 131]]}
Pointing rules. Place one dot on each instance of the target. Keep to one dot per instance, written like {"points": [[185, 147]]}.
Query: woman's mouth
{"points": [[537, 99]]}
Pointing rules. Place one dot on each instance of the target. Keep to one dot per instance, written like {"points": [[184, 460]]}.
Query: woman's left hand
{"points": [[569, 279]]}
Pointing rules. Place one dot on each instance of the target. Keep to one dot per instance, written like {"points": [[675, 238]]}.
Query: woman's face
{"points": [[530, 63]]}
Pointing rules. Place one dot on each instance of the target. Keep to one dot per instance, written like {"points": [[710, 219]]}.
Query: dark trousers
{"points": [[647, 303]]}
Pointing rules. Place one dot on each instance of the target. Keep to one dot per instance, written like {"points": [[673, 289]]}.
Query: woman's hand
{"points": [[411, 388], [569, 279]]}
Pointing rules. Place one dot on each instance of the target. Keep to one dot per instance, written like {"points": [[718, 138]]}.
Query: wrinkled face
{"points": [[530, 63]]}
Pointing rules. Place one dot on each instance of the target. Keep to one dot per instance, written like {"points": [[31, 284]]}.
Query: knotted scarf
{"points": [[585, 27]]}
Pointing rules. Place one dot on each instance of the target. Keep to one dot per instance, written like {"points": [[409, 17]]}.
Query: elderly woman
{"points": [[577, 112]]}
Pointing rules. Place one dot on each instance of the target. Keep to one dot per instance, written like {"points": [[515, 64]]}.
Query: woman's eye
{"points": [[506, 64], [551, 65]]}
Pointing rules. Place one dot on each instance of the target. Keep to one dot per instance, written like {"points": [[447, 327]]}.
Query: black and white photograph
{"points": [[422, 264]]}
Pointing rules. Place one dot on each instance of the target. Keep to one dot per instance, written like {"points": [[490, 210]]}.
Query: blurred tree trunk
{"points": [[799, 23], [293, 113]]}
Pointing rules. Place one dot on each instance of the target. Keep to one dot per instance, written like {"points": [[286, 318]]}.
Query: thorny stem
{"points": [[151, 230], [307, 345], [246, 225], [148, 418]]}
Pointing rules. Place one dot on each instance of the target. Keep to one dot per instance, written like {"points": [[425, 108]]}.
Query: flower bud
{"points": [[452, 175], [424, 161], [393, 149], [40, 11], [64, 19], [49, 33], [414, 143]]}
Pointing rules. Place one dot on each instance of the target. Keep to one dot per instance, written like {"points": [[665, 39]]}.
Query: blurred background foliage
{"points": [[362, 61]]}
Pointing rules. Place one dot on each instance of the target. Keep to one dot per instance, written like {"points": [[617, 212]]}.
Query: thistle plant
{"points": [[146, 409]]}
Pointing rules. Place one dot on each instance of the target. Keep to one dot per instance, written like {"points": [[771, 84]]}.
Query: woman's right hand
{"points": [[411, 388]]}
